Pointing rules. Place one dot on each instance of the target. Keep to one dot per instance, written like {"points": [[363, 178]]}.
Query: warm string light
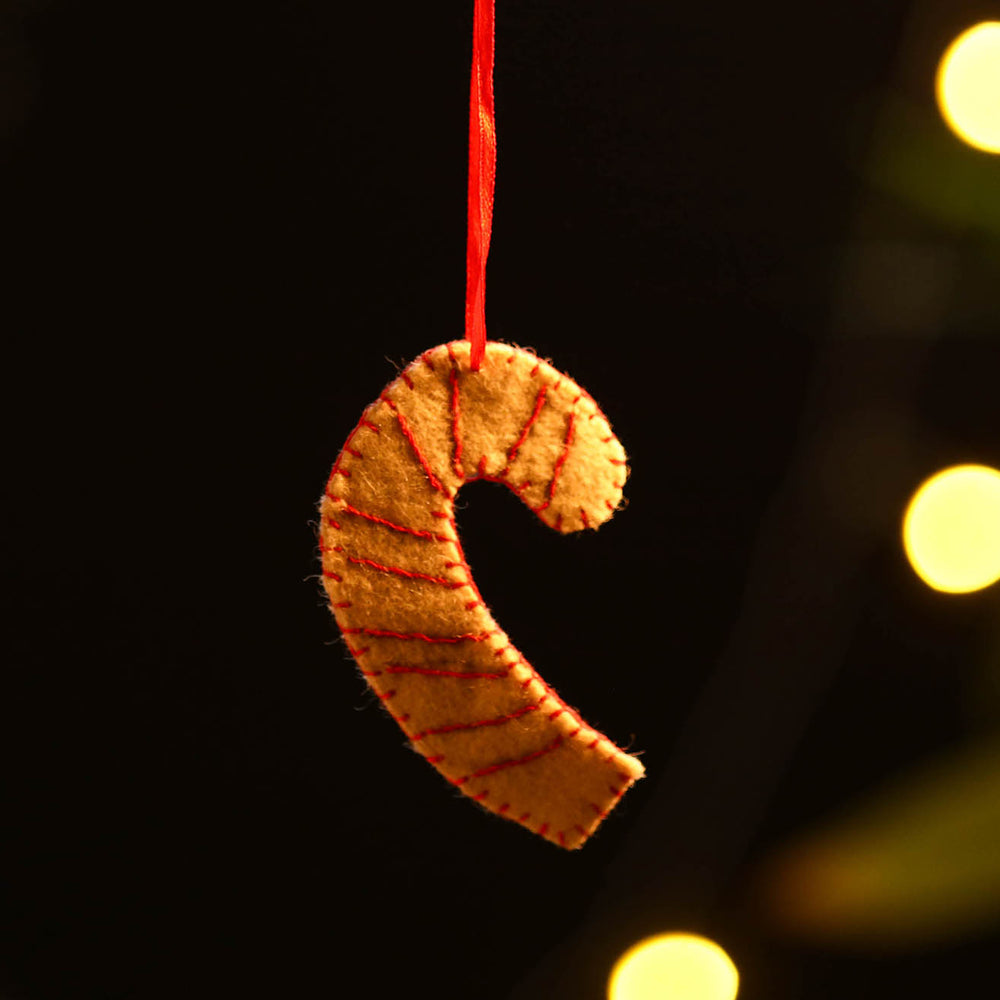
{"points": [[674, 967], [968, 86], [951, 529]]}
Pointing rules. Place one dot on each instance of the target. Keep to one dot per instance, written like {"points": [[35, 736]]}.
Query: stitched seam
{"points": [[419, 455], [557, 469], [507, 764], [522, 437], [406, 529], [460, 726], [382, 633], [455, 416], [409, 574]]}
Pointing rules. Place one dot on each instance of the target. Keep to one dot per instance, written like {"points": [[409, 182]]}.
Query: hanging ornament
{"points": [[399, 585]]}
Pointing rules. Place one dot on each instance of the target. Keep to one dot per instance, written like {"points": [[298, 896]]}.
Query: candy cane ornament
{"points": [[405, 599], [393, 565]]}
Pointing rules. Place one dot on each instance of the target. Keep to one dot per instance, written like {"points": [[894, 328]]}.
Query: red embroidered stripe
{"points": [[561, 461], [455, 415], [539, 402], [412, 441], [387, 634], [416, 532], [456, 727], [409, 574], [517, 762]]}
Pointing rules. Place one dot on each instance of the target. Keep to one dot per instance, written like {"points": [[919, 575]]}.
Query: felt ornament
{"points": [[393, 567], [405, 599]]}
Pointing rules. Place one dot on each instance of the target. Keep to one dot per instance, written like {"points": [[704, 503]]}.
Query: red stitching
{"points": [[455, 416], [353, 451], [364, 422], [539, 403], [561, 460], [410, 574], [330, 575], [516, 490], [342, 604], [417, 532], [516, 762], [583, 515], [357, 652], [408, 434], [408, 382], [580, 724], [455, 727], [399, 668], [471, 583], [419, 636], [604, 813]]}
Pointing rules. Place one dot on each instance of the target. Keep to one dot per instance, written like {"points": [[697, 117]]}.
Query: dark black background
{"points": [[229, 225]]}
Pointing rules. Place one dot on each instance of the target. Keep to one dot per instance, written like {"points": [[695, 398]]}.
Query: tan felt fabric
{"points": [[405, 599]]}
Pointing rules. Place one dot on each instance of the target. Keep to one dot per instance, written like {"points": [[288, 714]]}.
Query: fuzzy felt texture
{"points": [[405, 599]]}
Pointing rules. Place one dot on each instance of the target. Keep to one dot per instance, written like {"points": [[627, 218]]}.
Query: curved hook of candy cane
{"points": [[404, 596]]}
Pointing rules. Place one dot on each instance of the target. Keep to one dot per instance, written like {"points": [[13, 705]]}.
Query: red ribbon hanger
{"points": [[482, 177]]}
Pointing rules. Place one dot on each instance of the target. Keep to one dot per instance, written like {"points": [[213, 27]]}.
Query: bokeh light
{"points": [[674, 967], [968, 86], [951, 530], [914, 862]]}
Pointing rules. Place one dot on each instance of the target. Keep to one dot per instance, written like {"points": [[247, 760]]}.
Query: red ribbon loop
{"points": [[482, 177]]}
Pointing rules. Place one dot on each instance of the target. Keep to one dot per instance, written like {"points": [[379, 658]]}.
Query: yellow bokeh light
{"points": [[968, 86], [674, 967], [951, 530]]}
